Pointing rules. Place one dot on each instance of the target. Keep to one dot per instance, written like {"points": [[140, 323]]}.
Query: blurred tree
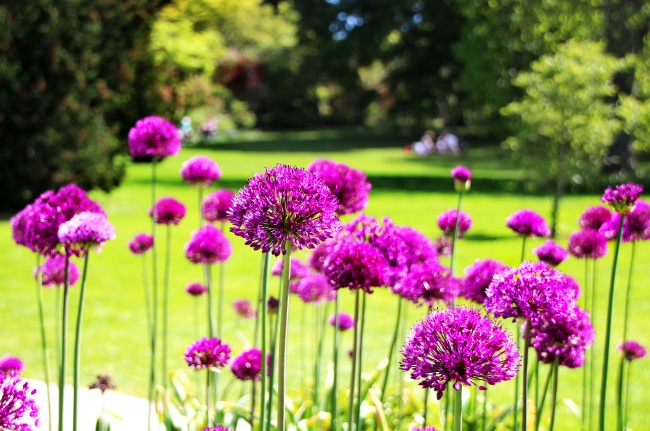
{"points": [[565, 122], [74, 76]]}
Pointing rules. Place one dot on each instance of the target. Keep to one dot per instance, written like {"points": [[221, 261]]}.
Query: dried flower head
{"points": [[622, 197], [551, 253], [154, 136], [216, 205], [594, 217], [11, 363], [478, 277], [207, 353], [244, 308], [200, 171], [103, 382], [86, 230], [587, 244], [141, 243], [459, 346], [196, 289], [345, 321], [350, 186], [447, 222], [168, 211], [527, 222], [462, 178], [208, 245], [53, 272], [281, 204], [18, 408], [632, 350], [248, 365]]}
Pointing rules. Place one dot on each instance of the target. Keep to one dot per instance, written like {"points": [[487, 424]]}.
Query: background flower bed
{"points": [[410, 190]]}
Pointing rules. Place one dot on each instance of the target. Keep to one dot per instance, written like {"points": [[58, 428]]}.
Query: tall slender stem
{"points": [[41, 320], [208, 284], [391, 350], [590, 352], [523, 248], [524, 406], [628, 292], [556, 372], [458, 410], [540, 406], [455, 234], [516, 405], [335, 350], [147, 298], [77, 345], [585, 366], [64, 337], [360, 359], [220, 300], [355, 349], [165, 349], [201, 218], [207, 398], [608, 330], [485, 408], [282, 346], [154, 283], [619, 396], [262, 305]]}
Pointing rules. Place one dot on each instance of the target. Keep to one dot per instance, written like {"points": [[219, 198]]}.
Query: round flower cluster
{"points": [[196, 289], [284, 204], [632, 350], [11, 363], [154, 136], [207, 353], [315, 288], [594, 217], [53, 272], [636, 225], [200, 171], [208, 245], [103, 382], [459, 346], [18, 408], [216, 205], [551, 253], [168, 211], [622, 197], [447, 222], [86, 230], [527, 222], [345, 321], [141, 243], [244, 308], [587, 244], [427, 284], [478, 277], [350, 186], [355, 265], [247, 365], [462, 178]]}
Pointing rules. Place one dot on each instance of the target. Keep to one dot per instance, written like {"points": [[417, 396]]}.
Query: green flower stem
{"points": [[590, 352], [41, 320], [262, 306], [220, 300], [201, 218], [282, 345], [147, 298], [619, 396], [57, 327], [556, 372], [154, 305], [360, 359], [401, 380], [355, 349], [627, 395], [207, 398], [335, 350], [64, 338], [516, 405], [485, 408], [447, 396], [524, 405], [273, 353], [540, 406], [77, 345], [523, 249], [391, 350], [458, 410], [426, 408], [208, 284], [319, 351], [628, 291], [585, 366], [165, 350], [455, 234], [608, 330]]}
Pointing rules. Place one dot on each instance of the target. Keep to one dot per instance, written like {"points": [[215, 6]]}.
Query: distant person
{"points": [[426, 145], [186, 129], [209, 128], [448, 143]]}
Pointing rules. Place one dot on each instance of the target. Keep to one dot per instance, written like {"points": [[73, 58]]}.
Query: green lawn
{"points": [[409, 190]]}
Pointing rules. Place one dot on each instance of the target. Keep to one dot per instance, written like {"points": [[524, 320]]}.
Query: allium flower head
{"points": [[272, 305], [566, 335], [345, 321], [443, 246], [247, 365], [594, 217], [154, 136], [141, 243], [350, 186], [207, 353], [427, 284], [427, 428], [636, 225], [103, 382], [298, 269], [622, 197], [216, 428], [196, 289], [632, 350], [284, 203], [551, 253], [315, 288], [86, 230], [200, 171], [587, 244], [527, 222], [208, 245], [18, 409], [447, 222], [11, 363], [461, 347], [168, 211], [317, 259], [462, 178], [478, 277], [53, 272], [216, 205], [355, 265], [244, 308], [532, 291]]}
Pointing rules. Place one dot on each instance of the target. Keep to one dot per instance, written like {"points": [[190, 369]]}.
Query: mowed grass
{"points": [[408, 189]]}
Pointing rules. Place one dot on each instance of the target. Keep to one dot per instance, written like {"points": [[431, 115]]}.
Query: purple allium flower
{"points": [[527, 222], [447, 222], [207, 353], [551, 253], [315, 288], [298, 269], [103, 382], [462, 178], [355, 265], [141, 243], [216, 428], [18, 409], [216, 205], [632, 350], [636, 225], [53, 272], [427, 284], [196, 289], [424, 429], [317, 259], [244, 308], [247, 365], [532, 291], [587, 244], [443, 246], [154, 136], [86, 230], [168, 211], [478, 277], [622, 197], [208, 245], [566, 335], [594, 217], [350, 186], [459, 346], [200, 171], [11, 363], [281, 204], [345, 321], [272, 305]]}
